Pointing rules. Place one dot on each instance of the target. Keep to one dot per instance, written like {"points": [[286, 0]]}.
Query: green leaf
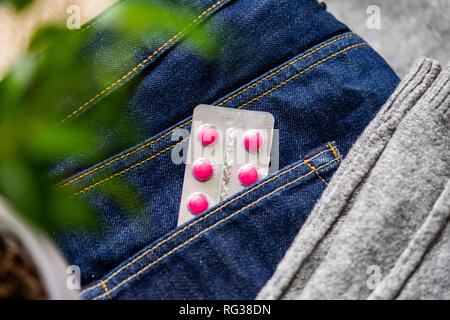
{"points": [[18, 4]]}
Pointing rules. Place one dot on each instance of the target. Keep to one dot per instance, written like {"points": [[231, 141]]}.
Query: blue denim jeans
{"points": [[322, 83]]}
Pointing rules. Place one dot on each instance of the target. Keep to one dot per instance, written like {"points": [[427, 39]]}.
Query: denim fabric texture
{"points": [[166, 76], [322, 83], [230, 250]]}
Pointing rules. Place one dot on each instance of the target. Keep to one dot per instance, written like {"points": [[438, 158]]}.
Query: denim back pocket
{"points": [[327, 93], [230, 251], [136, 84]]}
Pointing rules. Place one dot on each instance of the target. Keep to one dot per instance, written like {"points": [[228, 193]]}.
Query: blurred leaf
{"points": [[58, 70], [148, 19], [17, 4], [19, 184], [55, 142], [13, 88], [124, 195], [67, 211]]}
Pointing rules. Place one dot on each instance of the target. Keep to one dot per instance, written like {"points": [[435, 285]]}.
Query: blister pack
{"points": [[229, 149]]}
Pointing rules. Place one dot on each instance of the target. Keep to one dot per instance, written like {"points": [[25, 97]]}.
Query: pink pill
{"points": [[207, 135], [248, 175], [202, 170], [253, 140], [197, 203]]}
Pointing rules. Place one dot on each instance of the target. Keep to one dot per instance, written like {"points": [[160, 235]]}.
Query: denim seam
{"points": [[316, 171], [101, 18], [220, 104], [127, 169], [188, 226], [302, 72], [336, 155], [106, 289], [243, 105], [131, 277], [285, 67], [186, 28]]}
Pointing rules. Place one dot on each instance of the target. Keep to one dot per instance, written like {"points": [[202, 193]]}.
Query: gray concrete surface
{"points": [[409, 28]]}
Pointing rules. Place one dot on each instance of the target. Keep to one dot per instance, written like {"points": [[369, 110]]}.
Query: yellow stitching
{"points": [[128, 169], [201, 219], [92, 24], [315, 170], [183, 125], [100, 19], [125, 155], [209, 228], [245, 104], [142, 63], [302, 72], [106, 290], [334, 152], [284, 67]]}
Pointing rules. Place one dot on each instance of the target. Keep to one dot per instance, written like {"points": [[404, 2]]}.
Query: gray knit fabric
{"points": [[382, 224], [431, 280]]}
